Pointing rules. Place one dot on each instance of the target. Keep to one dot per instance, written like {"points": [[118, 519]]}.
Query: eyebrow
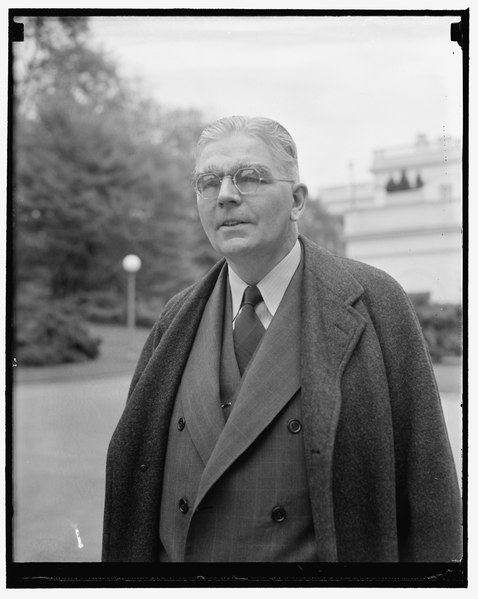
{"points": [[216, 169]]}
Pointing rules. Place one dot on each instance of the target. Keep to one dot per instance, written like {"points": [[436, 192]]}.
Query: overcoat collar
{"points": [[331, 328]]}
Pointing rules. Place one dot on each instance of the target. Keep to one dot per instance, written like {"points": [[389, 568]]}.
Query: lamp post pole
{"points": [[131, 265]]}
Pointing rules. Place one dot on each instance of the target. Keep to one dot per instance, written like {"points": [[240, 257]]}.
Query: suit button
{"points": [[278, 513], [294, 426], [183, 505], [181, 424], [143, 467]]}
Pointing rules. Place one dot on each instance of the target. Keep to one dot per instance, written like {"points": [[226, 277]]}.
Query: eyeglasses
{"points": [[246, 180]]}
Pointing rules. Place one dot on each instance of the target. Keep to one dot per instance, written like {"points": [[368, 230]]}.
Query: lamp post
{"points": [[131, 264]]}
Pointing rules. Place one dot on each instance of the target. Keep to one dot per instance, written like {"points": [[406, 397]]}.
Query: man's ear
{"points": [[300, 194]]}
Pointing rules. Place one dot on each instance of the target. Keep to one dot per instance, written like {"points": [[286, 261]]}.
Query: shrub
{"points": [[110, 308], [52, 334], [105, 307], [148, 311], [441, 325]]}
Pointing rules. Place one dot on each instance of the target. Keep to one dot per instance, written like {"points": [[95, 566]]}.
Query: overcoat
{"points": [[382, 480]]}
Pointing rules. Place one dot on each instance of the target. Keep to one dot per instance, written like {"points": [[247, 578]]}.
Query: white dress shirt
{"points": [[272, 286]]}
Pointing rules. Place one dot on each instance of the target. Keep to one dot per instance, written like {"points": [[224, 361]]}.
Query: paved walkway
{"points": [[61, 435]]}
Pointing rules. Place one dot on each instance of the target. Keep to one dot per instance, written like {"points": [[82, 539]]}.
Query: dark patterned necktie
{"points": [[248, 330]]}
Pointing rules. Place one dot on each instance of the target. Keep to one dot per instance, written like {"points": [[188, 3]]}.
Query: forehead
{"points": [[233, 150]]}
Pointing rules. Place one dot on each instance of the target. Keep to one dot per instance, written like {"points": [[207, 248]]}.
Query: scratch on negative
{"points": [[77, 532]]}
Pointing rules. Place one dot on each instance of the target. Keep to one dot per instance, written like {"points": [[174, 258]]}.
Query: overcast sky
{"points": [[342, 86]]}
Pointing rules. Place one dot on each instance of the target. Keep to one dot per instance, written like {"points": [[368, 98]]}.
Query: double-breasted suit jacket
{"points": [[237, 490], [380, 474]]}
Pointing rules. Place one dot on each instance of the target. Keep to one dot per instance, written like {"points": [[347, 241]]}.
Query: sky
{"points": [[342, 86]]}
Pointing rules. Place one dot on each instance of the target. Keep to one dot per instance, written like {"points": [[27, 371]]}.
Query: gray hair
{"points": [[272, 133]]}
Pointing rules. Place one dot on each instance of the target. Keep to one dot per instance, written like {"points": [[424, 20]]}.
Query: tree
{"points": [[100, 172], [55, 59], [88, 193], [321, 226]]}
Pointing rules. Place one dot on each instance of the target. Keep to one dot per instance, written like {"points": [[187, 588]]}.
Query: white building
{"points": [[407, 221]]}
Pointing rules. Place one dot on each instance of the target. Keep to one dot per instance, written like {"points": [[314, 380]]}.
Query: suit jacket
{"points": [[205, 513], [382, 481]]}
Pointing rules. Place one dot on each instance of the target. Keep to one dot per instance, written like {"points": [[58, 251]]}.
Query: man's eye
{"points": [[209, 182], [248, 176]]}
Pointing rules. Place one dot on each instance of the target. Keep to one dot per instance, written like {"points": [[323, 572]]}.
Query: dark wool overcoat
{"points": [[383, 485]]}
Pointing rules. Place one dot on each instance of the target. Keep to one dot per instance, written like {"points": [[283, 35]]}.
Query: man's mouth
{"points": [[232, 223]]}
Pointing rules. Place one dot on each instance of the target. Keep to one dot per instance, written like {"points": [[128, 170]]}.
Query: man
{"points": [[302, 424]]}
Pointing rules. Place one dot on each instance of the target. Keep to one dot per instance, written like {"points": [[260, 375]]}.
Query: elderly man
{"points": [[284, 408]]}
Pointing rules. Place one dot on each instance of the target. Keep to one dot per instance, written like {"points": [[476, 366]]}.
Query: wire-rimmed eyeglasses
{"points": [[246, 180]]}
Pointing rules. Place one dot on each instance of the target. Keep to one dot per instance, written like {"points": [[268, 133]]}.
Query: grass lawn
{"points": [[119, 352]]}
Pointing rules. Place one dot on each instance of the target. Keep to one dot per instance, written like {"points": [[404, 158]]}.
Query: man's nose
{"points": [[228, 191]]}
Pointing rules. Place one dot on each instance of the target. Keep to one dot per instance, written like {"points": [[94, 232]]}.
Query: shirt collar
{"points": [[272, 286]]}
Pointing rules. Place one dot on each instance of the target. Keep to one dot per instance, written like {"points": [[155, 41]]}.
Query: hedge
{"points": [[442, 327], [51, 334]]}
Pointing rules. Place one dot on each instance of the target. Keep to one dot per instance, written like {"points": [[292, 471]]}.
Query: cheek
{"points": [[205, 216], [276, 219]]}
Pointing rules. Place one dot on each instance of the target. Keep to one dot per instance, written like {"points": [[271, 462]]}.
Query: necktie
{"points": [[248, 330]]}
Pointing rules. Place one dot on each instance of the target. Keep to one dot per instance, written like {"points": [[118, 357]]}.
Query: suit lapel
{"points": [[230, 377], [199, 389], [271, 381]]}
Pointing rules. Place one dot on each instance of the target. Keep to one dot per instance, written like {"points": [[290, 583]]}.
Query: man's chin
{"points": [[235, 247]]}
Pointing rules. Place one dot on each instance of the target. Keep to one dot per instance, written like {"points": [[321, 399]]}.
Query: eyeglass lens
{"points": [[246, 180]]}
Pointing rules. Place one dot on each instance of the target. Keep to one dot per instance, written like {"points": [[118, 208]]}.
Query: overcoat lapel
{"points": [[200, 382], [271, 381], [331, 329]]}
